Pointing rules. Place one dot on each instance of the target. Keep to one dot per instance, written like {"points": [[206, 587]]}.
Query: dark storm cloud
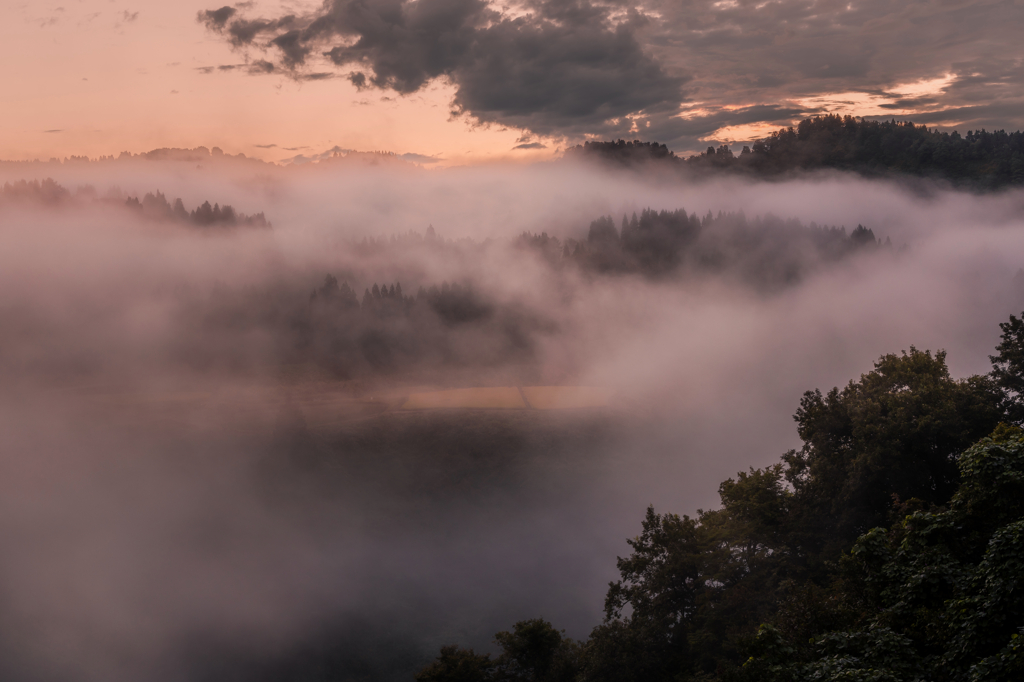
{"points": [[993, 115], [575, 67], [566, 67], [215, 19], [749, 52], [261, 66], [258, 67]]}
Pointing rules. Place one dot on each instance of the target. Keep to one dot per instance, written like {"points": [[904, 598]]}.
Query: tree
{"points": [[602, 231], [1008, 366], [457, 665], [652, 609], [534, 651], [942, 591], [897, 431], [769, 578]]}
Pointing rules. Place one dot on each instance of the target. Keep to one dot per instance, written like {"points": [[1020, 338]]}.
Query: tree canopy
{"points": [[889, 547], [981, 159]]}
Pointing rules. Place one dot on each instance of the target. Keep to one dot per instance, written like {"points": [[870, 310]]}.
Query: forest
{"points": [[890, 546], [981, 159], [767, 252], [390, 330], [152, 206], [352, 326], [239, 430]]}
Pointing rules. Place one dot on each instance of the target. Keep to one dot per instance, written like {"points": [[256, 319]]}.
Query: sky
{"points": [[463, 81]]}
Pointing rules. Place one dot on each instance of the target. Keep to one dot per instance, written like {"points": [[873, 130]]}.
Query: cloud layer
{"points": [[153, 508], [682, 73], [562, 68]]}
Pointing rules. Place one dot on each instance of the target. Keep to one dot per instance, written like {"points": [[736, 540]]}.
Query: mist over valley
{"points": [[305, 447]]}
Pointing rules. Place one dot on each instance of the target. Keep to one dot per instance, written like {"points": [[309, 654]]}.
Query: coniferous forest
{"points": [[280, 377], [980, 159]]}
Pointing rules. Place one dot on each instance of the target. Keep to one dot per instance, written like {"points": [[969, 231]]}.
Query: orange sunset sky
{"points": [[93, 80], [97, 77]]}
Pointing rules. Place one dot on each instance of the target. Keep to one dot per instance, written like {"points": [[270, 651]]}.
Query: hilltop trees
{"points": [[533, 651], [982, 159], [767, 252], [1008, 366], [157, 207], [897, 431], [937, 596], [889, 547], [46, 192]]}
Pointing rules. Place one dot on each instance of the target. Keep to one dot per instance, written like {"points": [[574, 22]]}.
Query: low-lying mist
{"points": [[207, 470]]}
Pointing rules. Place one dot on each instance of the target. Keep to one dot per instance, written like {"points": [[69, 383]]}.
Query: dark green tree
{"points": [[941, 591], [457, 665], [534, 651], [1008, 366], [895, 432]]}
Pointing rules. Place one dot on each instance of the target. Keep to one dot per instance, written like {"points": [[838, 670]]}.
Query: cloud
{"points": [[261, 66], [257, 67], [561, 67], [56, 130], [216, 19], [573, 68], [530, 145], [265, 146], [170, 513], [419, 158]]}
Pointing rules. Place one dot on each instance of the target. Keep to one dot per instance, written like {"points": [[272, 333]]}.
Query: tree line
{"points": [[385, 329], [155, 206], [980, 159], [889, 547], [391, 327], [766, 252]]}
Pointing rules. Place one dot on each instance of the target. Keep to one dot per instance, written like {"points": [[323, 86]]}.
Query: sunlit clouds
{"points": [[466, 81]]}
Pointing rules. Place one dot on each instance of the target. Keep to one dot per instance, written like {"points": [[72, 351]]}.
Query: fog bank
{"points": [[207, 471]]}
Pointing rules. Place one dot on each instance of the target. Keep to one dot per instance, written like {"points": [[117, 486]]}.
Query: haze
{"points": [[235, 239], [182, 492]]}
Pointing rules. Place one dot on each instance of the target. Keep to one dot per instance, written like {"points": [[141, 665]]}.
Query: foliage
{"points": [[766, 251], [889, 548], [941, 592], [457, 665], [897, 431], [532, 652], [1008, 366], [981, 159]]}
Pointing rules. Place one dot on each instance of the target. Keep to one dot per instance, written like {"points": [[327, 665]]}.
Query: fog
{"points": [[206, 472]]}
